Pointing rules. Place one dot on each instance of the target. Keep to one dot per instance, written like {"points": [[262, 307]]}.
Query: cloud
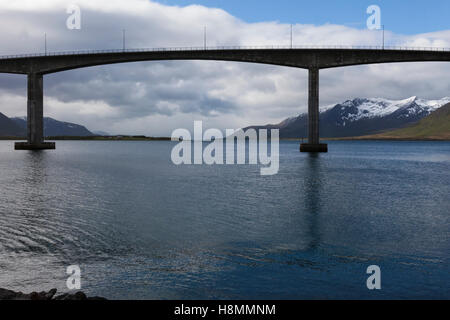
{"points": [[154, 98]]}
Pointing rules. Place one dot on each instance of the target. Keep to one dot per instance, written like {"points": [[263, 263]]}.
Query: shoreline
{"points": [[6, 294], [367, 139], [144, 138], [385, 139], [94, 138]]}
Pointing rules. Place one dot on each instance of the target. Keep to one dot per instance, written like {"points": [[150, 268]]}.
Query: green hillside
{"points": [[434, 127]]}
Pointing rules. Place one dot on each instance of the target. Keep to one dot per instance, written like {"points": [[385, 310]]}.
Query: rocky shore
{"points": [[44, 295]]}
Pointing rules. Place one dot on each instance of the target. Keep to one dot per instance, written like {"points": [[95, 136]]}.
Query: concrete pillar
{"points": [[313, 144], [313, 106], [35, 109], [35, 116]]}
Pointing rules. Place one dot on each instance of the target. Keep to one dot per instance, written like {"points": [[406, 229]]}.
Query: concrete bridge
{"points": [[313, 59]]}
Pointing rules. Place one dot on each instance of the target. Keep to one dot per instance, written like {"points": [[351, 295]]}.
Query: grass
{"points": [[436, 126]]}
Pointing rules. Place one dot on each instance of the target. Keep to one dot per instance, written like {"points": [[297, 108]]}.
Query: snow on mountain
{"points": [[361, 116], [360, 108], [286, 122]]}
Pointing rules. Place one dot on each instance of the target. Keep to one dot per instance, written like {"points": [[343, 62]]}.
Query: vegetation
{"points": [[98, 138], [436, 126]]}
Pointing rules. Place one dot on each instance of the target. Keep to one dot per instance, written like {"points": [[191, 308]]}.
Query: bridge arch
{"points": [[312, 59]]}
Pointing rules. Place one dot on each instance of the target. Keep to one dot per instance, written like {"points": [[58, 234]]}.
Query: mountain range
{"points": [[360, 116], [351, 118], [436, 126], [17, 127], [9, 128]]}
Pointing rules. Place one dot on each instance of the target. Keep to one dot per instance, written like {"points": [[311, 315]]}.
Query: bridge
{"points": [[35, 66]]}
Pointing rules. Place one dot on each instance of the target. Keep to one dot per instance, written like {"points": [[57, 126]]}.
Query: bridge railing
{"points": [[169, 49]]}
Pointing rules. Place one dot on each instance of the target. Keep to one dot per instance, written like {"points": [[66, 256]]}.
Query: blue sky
{"points": [[400, 16]]}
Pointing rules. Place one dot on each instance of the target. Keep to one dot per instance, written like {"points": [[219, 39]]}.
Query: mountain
{"points": [[436, 126], [53, 128], [101, 133], [360, 116], [10, 128]]}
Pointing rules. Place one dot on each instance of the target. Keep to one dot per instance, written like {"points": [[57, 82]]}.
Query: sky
{"points": [[155, 98], [405, 17]]}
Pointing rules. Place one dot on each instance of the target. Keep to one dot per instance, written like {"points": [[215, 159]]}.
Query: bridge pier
{"points": [[35, 116], [313, 144]]}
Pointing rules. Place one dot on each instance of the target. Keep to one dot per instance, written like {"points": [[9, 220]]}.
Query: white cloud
{"points": [[155, 97]]}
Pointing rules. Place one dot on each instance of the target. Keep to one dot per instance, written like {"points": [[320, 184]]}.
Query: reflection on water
{"points": [[34, 180], [141, 227], [313, 189]]}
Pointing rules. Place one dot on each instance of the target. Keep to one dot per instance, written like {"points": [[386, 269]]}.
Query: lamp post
{"points": [[291, 38], [123, 39], [204, 38]]}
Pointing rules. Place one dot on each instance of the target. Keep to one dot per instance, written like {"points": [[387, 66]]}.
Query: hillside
{"points": [[53, 128], [17, 127], [434, 127], [361, 117], [9, 128]]}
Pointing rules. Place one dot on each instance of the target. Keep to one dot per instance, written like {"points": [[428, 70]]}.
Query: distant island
{"points": [[15, 129], [111, 138], [96, 138]]}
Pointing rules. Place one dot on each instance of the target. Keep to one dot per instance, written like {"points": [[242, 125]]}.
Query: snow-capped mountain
{"points": [[361, 116], [357, 109]]}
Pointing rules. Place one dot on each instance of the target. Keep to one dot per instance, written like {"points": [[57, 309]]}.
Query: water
{"points": [[141, 227]]}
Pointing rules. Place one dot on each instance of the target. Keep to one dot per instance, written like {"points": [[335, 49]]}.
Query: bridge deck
{"points": [[300, 57], [78, 52], [311, 58]]}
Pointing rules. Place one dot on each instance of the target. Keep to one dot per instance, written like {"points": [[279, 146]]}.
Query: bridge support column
{"points": [[313, 144], [35, 116]]}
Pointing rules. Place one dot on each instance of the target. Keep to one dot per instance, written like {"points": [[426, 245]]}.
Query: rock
{"points": [[95, 298], [61, 296], [44, 295], [76, 296], [8, 294], [49, 295]]}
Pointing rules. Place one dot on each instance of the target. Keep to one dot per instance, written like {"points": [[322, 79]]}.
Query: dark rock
{"points": [[44, 295], [8, 294], [97, 298], [61, 296], [75, 296]]}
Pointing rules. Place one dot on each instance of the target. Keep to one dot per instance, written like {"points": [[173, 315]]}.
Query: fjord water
{"points": [[141, 227]]}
